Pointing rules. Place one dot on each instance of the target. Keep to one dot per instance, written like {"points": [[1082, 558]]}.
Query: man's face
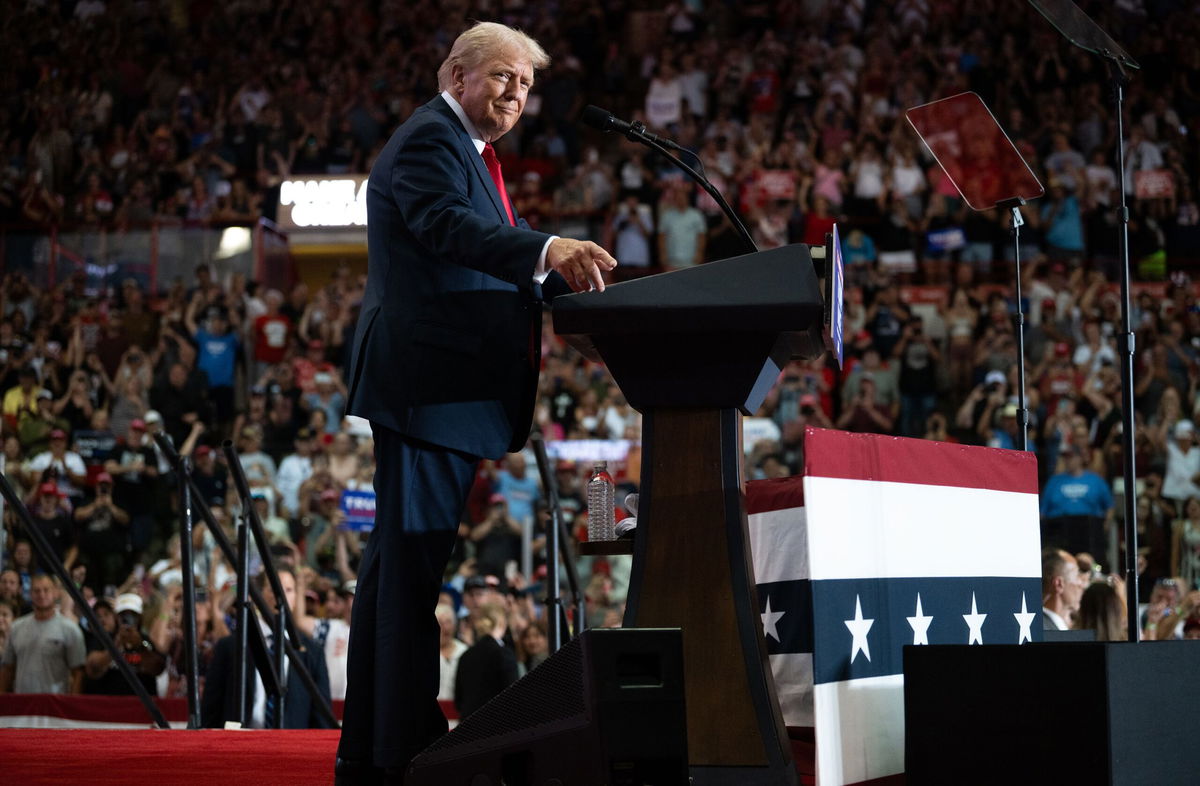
{"points": [[446, 623], [1074, 584], [43, 593], [108, 620], [10, 584], [289, 590], [493, 93], [335, 607]]}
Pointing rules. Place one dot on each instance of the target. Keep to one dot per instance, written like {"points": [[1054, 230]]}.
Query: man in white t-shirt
{"points": [[1183, 465], [71, 471]]}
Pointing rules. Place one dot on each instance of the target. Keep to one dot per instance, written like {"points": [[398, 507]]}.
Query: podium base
{"points": [[1113, 713], [744, 776]]}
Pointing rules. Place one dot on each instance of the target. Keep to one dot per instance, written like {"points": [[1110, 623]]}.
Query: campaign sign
{"points": [[358, 509]]}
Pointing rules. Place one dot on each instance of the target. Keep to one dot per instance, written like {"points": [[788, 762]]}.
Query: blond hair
{"points": [[491, 616], [485, 40]]}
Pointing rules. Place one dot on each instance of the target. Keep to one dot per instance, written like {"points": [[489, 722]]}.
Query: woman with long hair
{"points": [[1102, 609]]}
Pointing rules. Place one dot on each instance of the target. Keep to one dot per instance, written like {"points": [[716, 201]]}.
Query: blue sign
{"points": [[358, 510], [837, 275]]}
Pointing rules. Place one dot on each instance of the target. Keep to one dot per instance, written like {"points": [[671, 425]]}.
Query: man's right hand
{"points": [[581, 262]]}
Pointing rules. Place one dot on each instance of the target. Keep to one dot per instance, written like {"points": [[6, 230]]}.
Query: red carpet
{"points": [[208, 757]]}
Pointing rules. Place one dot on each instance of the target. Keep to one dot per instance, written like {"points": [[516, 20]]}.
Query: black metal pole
{"points": [[47, 557], [259, 533], [254, 525], [1126, 348], [257, 639], [280, 654], [242, 607], [191, 657], [1014, 205], [553, 586], [564, 545]]}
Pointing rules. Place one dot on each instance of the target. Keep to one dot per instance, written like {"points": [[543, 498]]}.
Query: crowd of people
{"points": [[125, 114]]}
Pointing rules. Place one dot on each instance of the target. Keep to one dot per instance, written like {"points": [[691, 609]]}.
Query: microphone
{"points": [[603, 120]]}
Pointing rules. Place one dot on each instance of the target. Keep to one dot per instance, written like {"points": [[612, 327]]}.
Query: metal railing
{"points": [[47, 557], [250, 637], [155, 256], [558, 543]]}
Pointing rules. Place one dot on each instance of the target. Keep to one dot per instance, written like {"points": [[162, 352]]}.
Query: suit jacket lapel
{"points": [[473, 156]]}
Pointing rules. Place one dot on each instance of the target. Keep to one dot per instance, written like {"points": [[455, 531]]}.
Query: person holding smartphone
{"points": [[104, 537]]}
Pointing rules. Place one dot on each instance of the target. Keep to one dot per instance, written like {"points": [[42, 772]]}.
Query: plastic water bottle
{"points": [[600, 504]]}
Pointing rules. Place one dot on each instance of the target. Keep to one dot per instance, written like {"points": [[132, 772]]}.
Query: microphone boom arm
{"points": [[635, 133]]}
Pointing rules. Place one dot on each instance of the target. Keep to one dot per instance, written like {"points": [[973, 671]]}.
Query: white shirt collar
{"points": [[461, 114], [1058, 622]]}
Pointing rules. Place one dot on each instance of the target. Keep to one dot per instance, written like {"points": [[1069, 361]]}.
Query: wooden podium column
{"points": [[692, 569]]}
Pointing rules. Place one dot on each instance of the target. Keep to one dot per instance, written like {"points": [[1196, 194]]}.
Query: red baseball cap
{"points": [[104, 477], [48, 489], [58, 434], [138, 424]]}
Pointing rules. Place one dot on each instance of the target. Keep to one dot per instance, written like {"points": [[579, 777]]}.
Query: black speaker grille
{"points": [[551, 693]]}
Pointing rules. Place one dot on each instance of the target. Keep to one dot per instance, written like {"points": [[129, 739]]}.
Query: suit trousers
{"points": [[391, 712]]}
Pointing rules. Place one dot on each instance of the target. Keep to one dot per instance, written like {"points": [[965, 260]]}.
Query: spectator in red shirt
{"points": [[272, 331]]}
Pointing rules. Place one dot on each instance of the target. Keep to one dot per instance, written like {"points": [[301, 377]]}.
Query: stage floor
{"points": [[206, 757], [169, 756]]}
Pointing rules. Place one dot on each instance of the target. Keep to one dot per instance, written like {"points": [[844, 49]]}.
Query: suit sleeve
{"points": [[429, 182], [508, 668], [212, 703], [320, 675], [554, 285]]}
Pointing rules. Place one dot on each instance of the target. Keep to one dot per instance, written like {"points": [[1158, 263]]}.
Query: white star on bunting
{"points": [[975, 623], [858, 629], [769, 618], [920, 624], [1025, 619]]}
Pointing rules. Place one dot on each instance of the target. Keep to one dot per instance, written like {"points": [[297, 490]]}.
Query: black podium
{"points": [[693, 350]]}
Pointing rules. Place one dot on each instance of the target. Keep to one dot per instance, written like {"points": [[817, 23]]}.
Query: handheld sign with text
{"points": [[358, 508]]}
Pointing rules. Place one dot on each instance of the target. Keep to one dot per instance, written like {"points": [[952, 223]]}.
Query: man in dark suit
{"points": [[219, 702], [444, 365], [488, 667]]}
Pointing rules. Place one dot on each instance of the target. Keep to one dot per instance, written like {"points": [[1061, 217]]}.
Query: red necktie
{"points": [[493, 168]]}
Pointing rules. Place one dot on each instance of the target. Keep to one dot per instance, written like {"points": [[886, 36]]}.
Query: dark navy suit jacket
{"points": [[219, 703], [448, 340]]}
